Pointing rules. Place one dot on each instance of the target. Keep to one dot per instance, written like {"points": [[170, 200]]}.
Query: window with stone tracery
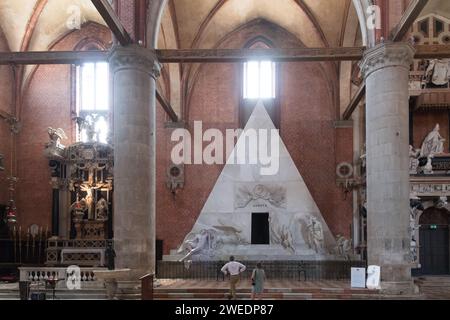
{"points": [[93, 101]]}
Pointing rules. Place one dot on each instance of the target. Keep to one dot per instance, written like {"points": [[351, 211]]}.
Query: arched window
{"points": [[92, 100]]}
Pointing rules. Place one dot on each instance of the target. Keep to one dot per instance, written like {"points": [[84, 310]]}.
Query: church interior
{"points": [[97, 98]]}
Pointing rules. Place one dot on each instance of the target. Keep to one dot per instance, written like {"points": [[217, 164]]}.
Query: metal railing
{"points": [[292, 270]]}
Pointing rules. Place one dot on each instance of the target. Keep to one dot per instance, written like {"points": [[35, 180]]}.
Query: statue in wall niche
{"points": [[200, 242], [101, 210], [314, 234], [433, 143]]}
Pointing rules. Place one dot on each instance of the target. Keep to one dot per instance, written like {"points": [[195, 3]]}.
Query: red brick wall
{"points": [[307, 129], [47, 103], [308, 112], [424, 123], [6, 82]]}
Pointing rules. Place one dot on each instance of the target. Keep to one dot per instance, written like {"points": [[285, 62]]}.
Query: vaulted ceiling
{"points": [[36, 24], [202, 23]]}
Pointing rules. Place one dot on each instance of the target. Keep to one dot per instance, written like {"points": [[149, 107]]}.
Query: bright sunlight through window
{"points": [[93, 99], [259, 80]]}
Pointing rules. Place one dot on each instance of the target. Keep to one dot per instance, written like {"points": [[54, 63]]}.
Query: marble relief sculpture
{"points": [[197, 243], [280, 235], [433, 143], [295, 228], [275, 195], [230, 234], [314, 234], [343, 247]]}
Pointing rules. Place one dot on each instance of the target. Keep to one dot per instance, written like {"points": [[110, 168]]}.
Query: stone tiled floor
{"points": [[436, 288], [430, 288]]}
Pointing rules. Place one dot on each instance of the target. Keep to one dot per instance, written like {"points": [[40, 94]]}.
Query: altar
{"points": [[82, 211]]}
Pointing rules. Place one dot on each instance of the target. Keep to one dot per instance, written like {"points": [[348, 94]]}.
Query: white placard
{"points": [[358, 278]]}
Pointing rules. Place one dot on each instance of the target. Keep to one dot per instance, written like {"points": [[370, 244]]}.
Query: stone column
{"points": [[55, 207], [386, 70], [55, 167], [134, 71]]}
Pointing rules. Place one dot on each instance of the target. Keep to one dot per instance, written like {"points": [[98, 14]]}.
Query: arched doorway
{"points": [[434, 242]]}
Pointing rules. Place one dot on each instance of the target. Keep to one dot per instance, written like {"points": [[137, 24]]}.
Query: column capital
{"points": [[134, 57], [388, 54]]}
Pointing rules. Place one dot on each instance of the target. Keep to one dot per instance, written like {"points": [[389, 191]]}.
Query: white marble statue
{"points": [[55, 136], [413, 160], [200, 242], [428, 169], [53, 148], [438, 72], [433, 143]]}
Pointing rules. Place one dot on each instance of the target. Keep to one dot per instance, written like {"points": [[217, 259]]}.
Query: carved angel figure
{"points": [[55, 136]]}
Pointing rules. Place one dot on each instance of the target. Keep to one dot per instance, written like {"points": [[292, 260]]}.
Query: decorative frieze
{"points": [[430, 189]]}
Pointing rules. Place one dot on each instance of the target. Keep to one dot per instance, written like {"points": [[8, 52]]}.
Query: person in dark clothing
{"points": [[110, 255]]}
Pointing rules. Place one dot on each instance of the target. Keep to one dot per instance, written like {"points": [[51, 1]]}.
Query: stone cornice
{"points": [[134, 57], [389, 54]]}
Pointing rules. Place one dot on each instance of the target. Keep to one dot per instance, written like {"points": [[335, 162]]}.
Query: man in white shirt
{"points": [[234, 269]]}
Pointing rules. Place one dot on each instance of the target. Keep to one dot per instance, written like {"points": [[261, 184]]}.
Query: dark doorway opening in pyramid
{"points": [[260, 228]]}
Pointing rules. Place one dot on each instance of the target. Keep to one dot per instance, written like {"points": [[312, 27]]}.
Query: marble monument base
{"points": [[255, 253], [399, 288]]}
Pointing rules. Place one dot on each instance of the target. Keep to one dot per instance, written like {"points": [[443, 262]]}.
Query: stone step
{"points": [[282, 296], [269, 290], [435, 279]]}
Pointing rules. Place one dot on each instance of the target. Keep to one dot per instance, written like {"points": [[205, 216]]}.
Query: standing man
{"points": [[234, 269]]}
